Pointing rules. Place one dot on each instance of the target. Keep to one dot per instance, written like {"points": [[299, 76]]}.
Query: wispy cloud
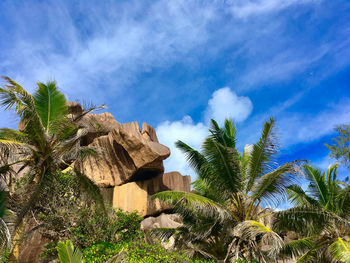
{"points": [[246, 8]]}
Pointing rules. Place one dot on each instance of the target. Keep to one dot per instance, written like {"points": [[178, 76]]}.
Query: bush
{"points": [[94, 226], [136, 252], [100, 252]]}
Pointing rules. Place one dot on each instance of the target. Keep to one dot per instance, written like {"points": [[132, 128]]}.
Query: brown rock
{"points": [[112, 167], [137, 195], [98, 125], [161, 221], [125, 156], [144, 152], [149, 133], [74, 108], [176, 182]]}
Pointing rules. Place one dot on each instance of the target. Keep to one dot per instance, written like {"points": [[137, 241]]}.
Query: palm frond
{"points": [[68, 254], [9, 145], [298, 196], [343, 198], [13, 135], [224, 161], [308, 257], [254, 230], [195, 159], [263, 154], [14, 94], [271, 187], [87, 111], [341, 250], [318, 186], [225, 136], [307, 220], [296, 248], [203, 187], [163, 233], [185, 203], [51, 106]]}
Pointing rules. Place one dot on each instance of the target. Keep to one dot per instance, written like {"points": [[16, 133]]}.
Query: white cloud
{"points": [[185, 130], [225, 103], [246, 8], [303, 128], [296, 127]]}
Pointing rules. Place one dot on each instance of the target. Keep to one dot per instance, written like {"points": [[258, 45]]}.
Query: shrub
{"points": [[94, 226], [136, 252], [100, 252]]}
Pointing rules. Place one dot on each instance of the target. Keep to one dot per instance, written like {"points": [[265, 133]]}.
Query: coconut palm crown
{"points": [[49, 138], [223, 217], [321, 217]]}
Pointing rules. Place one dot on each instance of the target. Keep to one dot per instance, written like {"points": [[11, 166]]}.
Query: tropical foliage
{"points": [[321, 217], [48, 139], [5, 237], [223, 218], [67, 253], [340, 149]]}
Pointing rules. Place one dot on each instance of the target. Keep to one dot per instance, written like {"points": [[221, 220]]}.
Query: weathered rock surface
{"points": [[163, 220], [137, 195], [98, 125], [126, 155], [113, 166]]}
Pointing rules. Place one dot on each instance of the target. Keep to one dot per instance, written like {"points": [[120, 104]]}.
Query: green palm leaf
{"points": [[307, 220], [224, 161], [271, 187], [185, 203], [50, 105], [298, 196], [225, 136], [296, 248], [308, 257], [262, 156], [195, 159], [68, 254], [341, 250], [318, 186]]}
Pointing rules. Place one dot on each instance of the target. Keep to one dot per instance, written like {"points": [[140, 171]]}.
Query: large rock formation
{"points": [[137, 195], [129, 169]]}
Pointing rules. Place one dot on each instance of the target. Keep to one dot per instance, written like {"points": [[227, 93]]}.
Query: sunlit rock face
{"points": [[137, 195], [129, 169]]}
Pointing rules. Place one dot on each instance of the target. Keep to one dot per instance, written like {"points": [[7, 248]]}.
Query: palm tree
{"points": [[321, 216], [5, 238], [49, 139], [223, 217]]}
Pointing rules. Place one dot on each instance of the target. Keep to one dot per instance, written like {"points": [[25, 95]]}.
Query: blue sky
{"points": [[175, 64]]}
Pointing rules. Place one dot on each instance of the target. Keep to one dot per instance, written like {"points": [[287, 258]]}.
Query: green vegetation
{"points": [[321, 217], [48, 140], [5, 238], [229, 216], [223, 218], [67, 253], [340, 149]]}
